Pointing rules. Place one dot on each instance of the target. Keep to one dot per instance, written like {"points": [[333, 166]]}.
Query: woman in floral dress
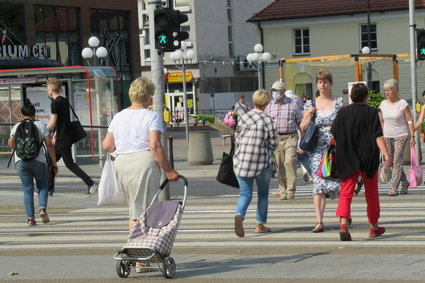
{"points": [[326, 107]]}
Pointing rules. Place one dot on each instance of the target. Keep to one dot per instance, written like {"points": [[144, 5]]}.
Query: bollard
{"points": [[200, 148]]}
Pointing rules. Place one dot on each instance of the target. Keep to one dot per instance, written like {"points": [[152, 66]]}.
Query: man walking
{"points": [[60, 119], [287, 115], [240, 106]]}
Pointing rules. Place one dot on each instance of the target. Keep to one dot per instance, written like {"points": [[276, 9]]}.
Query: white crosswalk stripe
{"points": [[208, 222]]}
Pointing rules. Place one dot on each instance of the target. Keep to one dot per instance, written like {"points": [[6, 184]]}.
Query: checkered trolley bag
{"points": [[157, 227], [152, 237]]}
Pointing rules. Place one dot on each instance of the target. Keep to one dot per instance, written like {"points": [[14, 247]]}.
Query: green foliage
{"points": [[375, 99], [208, 118]]}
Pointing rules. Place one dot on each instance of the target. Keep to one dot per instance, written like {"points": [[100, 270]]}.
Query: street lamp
{"points": [[181, 57], [257, 59], [94, 50], [366, 50]]}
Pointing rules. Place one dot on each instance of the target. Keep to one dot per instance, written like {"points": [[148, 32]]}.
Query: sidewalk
{"points": [[180, 152]]}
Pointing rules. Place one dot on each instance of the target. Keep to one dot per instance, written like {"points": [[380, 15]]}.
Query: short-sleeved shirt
{"points": [[255, 137], [287, 115], [42, 133], [60, 107], [240, 108], [131, 127], [395, 123]]}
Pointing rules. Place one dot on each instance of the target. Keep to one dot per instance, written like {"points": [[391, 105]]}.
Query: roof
{"points": [[292, 9]]}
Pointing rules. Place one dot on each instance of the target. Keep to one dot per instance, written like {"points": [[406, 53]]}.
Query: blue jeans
{"points": [[246, 186], [28, 171]]}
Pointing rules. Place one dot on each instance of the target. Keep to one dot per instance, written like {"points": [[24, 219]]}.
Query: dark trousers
{"points": [[66, 154]]}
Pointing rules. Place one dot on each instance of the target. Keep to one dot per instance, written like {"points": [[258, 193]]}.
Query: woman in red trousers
{"points": [[358, 137]]}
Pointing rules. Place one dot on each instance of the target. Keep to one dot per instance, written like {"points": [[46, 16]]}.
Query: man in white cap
{"points": [[287, 115]]}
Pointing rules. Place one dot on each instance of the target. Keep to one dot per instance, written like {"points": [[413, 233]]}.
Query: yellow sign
{"points": [[178, 78]]}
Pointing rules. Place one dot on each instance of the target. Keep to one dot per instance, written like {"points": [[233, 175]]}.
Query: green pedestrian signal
{"points": [[420, 43], [163, 40], [168, 33]]}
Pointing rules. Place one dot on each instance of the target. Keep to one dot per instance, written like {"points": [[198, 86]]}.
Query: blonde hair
{"points": [[391, 83], [261, 97], [141, 89], [55, 83]]}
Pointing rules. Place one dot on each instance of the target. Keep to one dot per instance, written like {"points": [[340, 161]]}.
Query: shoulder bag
{"points": [[76, 130], [225, 174], [309, 140]]}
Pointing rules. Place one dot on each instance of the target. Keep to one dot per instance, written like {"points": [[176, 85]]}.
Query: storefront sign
{"points": [[17, 81], [24, 51], [178, 78]]}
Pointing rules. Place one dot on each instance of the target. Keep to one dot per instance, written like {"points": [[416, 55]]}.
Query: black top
{"points": [[355, 129], [60, 107]]}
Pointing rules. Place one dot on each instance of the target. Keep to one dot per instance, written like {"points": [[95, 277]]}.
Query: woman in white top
{"points": [[396, 121], [135, 135]]}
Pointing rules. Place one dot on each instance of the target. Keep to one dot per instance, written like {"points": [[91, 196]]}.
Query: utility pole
{"points": [[412, 27], [157, 73]]}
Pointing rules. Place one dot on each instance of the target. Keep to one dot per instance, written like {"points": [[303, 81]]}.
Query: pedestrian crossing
{"points": [[208, 223]]}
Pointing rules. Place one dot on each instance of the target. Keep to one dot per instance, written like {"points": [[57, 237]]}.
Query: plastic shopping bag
{"points": [[109, 190], [415, 171]]}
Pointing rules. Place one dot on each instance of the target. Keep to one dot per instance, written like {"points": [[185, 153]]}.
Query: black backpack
{"points": [[27, 141]]}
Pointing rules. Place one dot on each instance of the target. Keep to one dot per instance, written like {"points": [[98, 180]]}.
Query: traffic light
{"points": [[167, 29], [420, 43]]}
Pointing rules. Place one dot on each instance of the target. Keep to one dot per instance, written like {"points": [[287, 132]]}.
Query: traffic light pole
{"points": [[157, 76], [412, 26]]}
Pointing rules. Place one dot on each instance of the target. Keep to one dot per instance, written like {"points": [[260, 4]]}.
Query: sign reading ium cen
{"points": [[24, 51]]}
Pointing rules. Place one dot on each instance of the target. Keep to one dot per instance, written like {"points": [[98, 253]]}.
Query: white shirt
{"points": [[131, 127], [42, 133], [395, 123]]}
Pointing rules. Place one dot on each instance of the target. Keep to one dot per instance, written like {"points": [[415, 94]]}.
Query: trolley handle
{"points": [[166, 181]]}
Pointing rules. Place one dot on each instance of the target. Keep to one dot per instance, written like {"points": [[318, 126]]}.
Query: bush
{"points": [[375, 99]]}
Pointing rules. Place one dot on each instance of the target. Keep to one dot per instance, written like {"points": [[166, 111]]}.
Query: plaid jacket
{"points": [[256, 137]]}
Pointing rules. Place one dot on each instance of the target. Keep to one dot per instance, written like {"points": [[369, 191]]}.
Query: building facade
{"points": [[63, 28], [220, 38], [309, 29]]}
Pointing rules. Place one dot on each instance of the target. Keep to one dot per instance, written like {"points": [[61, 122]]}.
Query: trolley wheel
{"points": [[123, 268], [168, 267]]}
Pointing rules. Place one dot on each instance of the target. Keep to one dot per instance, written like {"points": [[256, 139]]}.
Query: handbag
{"points": [[225, 174], [385, 173], [327, 163], [109, 191], [309, 141], [76, 130], [415, 171]]}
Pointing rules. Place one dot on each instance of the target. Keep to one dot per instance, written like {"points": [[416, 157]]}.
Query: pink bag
{"points": [[415, 171]]}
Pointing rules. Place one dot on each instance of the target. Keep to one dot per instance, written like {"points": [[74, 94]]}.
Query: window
{"points": [[12, 21], [363, 36], [302, 41], [181, 3], [58, 28], [303, 90]]}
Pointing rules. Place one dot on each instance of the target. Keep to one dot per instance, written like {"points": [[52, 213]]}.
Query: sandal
{"points": [[262, 229], [277, 194], [393, 193], [319, 228]]}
